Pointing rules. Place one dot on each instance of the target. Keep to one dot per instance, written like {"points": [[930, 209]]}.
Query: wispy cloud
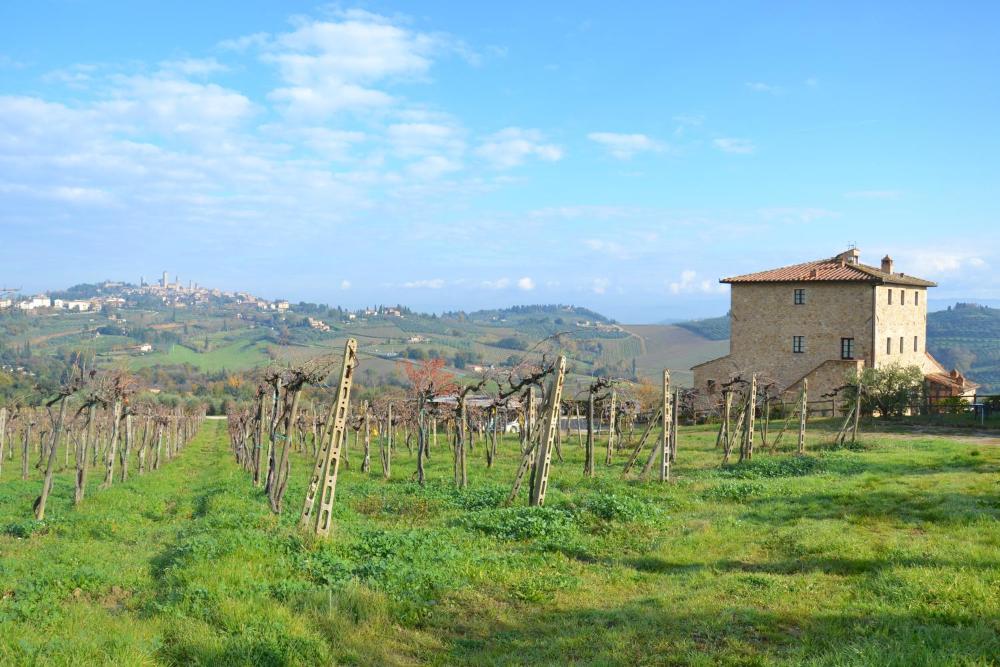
{"points": [[193, 66], [527, 284], [761, 87], [512, 146], [691, 283], [733, 145], [625, 146], [937, 261], [433, 283]]}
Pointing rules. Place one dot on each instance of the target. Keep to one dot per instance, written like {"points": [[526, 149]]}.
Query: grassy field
{"points": [[236, 356], [884, 554]]}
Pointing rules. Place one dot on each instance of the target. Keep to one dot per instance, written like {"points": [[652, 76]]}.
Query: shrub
{"points": [[23, 529], [521, 523], [735, 491], [789, 466], [613, 507]]}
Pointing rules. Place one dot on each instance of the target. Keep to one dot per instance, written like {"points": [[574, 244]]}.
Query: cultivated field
{"points": [[884, 554]]}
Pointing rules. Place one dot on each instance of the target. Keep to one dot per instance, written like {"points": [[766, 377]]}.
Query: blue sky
{"points": [[457, 155]]}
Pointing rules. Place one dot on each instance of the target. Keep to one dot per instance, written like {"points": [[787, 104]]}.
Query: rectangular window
{"points": [[798, 344], [915, 344], [916, 298], [846, 348], [889, 292], [888, 345], [902, 297], [800, 296], [901, 345]]}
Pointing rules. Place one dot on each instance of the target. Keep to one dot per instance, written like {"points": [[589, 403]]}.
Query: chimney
{"points": [[849, 256], [887, 264]]}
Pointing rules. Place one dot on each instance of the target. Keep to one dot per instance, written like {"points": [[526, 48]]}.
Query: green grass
{"points": [[887, 554], [238, 355]]}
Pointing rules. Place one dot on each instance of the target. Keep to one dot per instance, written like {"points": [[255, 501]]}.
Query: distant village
{"points": [[172, 294]]}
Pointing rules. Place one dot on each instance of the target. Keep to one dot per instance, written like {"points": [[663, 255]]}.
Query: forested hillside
{"points": [[966, 336]]}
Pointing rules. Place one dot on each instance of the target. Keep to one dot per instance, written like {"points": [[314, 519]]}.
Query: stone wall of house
{"points": [[823, 380], [765, 317], [906, 318]]}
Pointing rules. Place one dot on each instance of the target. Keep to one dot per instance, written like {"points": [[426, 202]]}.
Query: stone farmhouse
{"points": [[823, 320]]}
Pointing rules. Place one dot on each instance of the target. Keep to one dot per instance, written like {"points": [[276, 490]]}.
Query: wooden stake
{"points": [[324, 477], [665, 436], [803, 414], [548, 434]]}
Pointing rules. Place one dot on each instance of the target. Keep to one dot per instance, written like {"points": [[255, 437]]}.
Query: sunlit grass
{"points": [[887, 553]]}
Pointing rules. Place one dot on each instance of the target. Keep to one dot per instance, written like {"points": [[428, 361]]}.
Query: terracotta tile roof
{"points": [[949, 380], [829, 270]]}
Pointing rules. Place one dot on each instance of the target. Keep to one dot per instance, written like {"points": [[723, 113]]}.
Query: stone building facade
{"points": [[821, 321]]}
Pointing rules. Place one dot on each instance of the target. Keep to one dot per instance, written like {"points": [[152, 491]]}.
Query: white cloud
{"points": [[526, 284], [435, 283], [433, 167], [193, 66], [256, 40], [500, 283], [345, 284], [177, 106], [326, 143], [760, 87], [418, 139], [691, 283], [343, 64], [625, 146], [732, 145], [686, 122], [933, 261], [605, 247], [599, 285], [511, 146]]}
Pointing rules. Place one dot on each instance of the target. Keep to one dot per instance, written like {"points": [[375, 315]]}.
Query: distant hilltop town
{"points": [[164, 293]]}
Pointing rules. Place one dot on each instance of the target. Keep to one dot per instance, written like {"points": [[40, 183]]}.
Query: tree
{"points": [[889, 390], [427, 379]]}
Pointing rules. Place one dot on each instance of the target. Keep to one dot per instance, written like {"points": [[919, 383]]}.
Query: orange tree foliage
{"points": [[429, 378]]}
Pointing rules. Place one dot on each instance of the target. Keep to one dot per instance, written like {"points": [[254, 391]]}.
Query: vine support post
{"points": [[803, 415], [324, 477], [546, 442], [665, 435]]}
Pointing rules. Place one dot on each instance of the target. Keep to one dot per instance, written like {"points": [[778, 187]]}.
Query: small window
{"points": [[901, 345], [915, 344], [889, 292], [798, 344], [888, 345], [916, 298], [846, 348], [800, 296], [902, 297]]}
